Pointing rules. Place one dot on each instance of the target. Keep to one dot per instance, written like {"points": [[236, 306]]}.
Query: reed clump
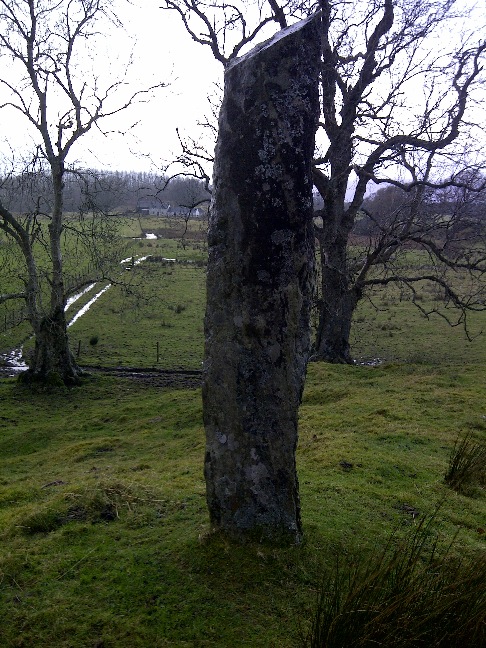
{"points": [[408, 596], [467, 464]]}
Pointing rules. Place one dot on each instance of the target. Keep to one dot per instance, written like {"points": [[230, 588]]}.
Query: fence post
{"points": [[158, 355]]}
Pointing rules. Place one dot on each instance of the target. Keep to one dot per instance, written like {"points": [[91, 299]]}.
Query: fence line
{"points": [[13, 318]]}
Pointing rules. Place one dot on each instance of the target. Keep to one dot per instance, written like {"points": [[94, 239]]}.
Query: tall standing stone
{"points": [[259, 285]]}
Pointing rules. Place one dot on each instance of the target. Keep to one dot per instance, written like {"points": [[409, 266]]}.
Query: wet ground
{"points": [[11, 363], [172, 379]]}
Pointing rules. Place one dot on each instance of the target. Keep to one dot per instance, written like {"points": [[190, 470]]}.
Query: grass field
{"points": [[163, 303], [103, 525]]}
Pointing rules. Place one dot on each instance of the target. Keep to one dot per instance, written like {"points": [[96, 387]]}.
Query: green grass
{"points": [[103, 521], [391, 328], [103, 524], [130, 327]]}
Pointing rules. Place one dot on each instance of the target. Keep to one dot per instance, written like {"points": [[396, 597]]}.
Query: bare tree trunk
{"points": [[336, 305], [52, 358]]}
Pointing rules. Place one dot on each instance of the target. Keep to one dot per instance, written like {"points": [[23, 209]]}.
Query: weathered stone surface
{"points": [[260, 282]]}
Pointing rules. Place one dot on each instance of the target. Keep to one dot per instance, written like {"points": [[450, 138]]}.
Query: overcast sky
{"points": [[163, 52]]}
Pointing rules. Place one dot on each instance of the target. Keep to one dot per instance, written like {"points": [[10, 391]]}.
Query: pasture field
{"points": [[162, 303], [104, 538], [146, 305], [103, 526], [391, 329]]}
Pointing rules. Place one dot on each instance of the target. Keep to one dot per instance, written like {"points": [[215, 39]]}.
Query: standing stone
{"points": [[260, 284]]}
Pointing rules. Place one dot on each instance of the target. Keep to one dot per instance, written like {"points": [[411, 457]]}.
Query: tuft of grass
{"points": [[407, 596], [467, 464], [103, 502]]}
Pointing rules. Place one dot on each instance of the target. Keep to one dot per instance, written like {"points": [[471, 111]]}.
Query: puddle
{"points": [[14, 361], [87, 306], [148, 235], [133, 261], [75, 298], [372, 362]]}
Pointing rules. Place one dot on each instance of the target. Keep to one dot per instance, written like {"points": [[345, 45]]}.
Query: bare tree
{"points": [[400, 104], [50, 89], [447, 226], [196, 155], [190, 196]]}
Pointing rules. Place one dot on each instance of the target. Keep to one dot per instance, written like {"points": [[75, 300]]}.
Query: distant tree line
{"points": [[102, 191], [454, 213]]}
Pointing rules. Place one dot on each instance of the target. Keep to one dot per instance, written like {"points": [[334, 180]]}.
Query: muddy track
{"points": [[153, 377], [173, 378]]}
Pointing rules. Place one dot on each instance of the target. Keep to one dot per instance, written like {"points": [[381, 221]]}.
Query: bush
{"points": [[405, 597]]}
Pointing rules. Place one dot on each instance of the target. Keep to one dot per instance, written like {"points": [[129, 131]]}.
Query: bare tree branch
{"points": [[44, 43]]}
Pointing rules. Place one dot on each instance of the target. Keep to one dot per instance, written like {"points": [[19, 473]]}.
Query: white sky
{"points": [[163, 52]]}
